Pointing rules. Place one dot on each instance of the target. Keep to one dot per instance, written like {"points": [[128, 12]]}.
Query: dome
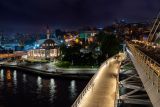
{"points": [[48, 44]]}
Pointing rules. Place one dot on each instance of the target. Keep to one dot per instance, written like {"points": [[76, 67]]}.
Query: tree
{"points": [[108, 43], [71, 54]]}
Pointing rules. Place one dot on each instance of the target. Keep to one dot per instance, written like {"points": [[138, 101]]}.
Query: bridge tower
{"points": [[152, 34]]}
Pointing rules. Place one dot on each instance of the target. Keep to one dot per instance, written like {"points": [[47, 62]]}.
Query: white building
{"points": [[48, 50]]}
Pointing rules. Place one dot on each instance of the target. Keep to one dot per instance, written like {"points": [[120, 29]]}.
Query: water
{"points": [[19, 89]]}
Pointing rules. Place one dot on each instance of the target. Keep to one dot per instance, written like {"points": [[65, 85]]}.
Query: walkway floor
{"points": [[103, 90]]}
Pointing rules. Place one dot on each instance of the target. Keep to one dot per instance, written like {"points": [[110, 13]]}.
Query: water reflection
{"points": [[52, 90], [2, 75], [39, 84], [24, 78], [9, 82], [73, 88], [15, 80], [8, 75], [26, 90]]}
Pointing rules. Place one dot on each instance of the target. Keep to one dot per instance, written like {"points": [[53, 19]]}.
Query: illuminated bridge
{"points": [[103, 89]]}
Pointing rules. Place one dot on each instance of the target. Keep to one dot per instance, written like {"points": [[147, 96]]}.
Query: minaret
{"points": [[48, 32]]}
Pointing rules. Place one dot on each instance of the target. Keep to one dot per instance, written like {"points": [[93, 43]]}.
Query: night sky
{"points": [[30, 15]]}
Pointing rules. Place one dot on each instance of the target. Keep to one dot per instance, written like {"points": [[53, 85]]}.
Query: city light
{"points": [[79, 53]]}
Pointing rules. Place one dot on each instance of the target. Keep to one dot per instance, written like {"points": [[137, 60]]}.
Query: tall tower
{"points": [[48, 33]]}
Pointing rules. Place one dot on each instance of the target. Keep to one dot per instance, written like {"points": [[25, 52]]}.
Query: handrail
{"points": [[88, 86], [154, 65]]}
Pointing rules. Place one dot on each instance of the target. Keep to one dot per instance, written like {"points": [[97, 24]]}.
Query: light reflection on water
{"points": [[15, 77], [20, 89], [14, 80], [9, 75], [52, 87], [73, 88], [24, 78], [2, 75], [39, 84]]}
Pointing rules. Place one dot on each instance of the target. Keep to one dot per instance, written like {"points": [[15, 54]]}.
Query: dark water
{"points": [[18, 89]]}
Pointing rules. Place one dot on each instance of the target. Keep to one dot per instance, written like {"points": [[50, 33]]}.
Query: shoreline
{"points": [[60, 73]]}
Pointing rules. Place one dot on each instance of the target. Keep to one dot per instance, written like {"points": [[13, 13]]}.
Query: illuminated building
{"points": [[48, 50], [88, 36], [71, 39]]}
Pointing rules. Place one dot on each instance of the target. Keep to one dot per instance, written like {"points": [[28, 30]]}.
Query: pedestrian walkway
{"points": [[103, 89]]}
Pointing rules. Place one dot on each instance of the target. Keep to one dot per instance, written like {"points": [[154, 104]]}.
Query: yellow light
{"points": [[71, 36], [8, 75], [77, 40]]}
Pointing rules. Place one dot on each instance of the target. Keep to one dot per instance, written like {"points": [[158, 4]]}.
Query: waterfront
{"points": [[22, 89], [18, 89]]}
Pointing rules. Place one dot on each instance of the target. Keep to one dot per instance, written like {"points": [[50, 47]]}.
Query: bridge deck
{"points": [[102, 92]]}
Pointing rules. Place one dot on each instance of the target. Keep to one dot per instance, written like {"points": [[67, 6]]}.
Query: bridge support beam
{"points": [[132, 86]]}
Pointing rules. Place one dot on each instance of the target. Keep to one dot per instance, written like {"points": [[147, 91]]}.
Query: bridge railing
{"points": [[151, 67], [89, 85]]}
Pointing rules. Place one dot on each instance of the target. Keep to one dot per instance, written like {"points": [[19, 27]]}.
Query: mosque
{"points": [[48, 50]]}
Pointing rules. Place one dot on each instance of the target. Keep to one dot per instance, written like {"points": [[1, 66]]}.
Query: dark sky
{"points": [[29, 15]]}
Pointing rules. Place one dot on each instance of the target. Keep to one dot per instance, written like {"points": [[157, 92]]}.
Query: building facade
{"points": [[48, 50]]}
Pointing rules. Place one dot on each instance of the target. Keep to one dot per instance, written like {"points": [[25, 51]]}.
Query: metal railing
{"points": [[150, 67], [143, 58], [89, 85]]}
